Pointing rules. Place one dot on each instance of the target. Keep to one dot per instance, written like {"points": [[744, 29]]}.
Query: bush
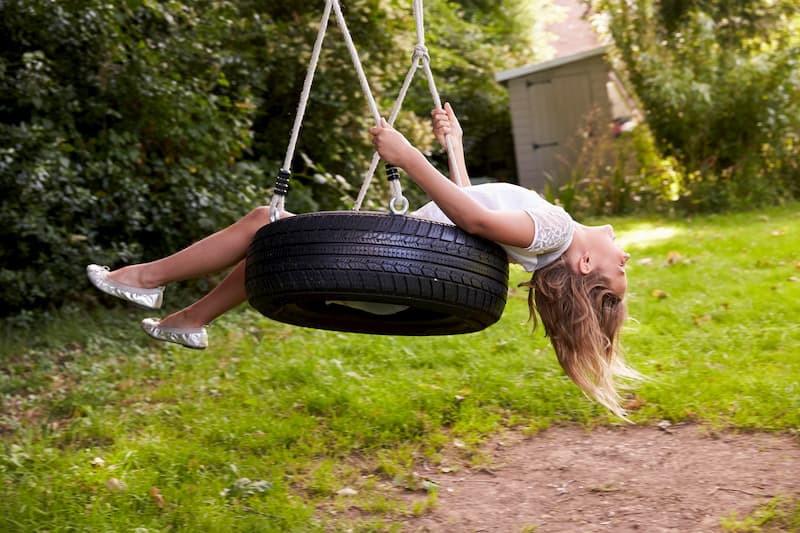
{"points": [[130, 129], [617, 173], [122, 130], [719, 86]]}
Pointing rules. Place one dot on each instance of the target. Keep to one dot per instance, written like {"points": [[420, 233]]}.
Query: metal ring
{"points": [[402, 210]]}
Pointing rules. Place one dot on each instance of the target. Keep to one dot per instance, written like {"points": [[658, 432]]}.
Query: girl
{"points": [[577, 288]]}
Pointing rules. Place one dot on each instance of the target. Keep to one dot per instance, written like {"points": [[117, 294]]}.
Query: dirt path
{"points": [[639, 479]]}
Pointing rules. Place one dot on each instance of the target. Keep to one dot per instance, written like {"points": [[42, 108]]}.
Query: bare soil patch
{"points": [[681, 478]]}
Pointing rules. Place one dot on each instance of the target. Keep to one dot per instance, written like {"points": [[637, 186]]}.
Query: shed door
{"points": [[558, 106]]}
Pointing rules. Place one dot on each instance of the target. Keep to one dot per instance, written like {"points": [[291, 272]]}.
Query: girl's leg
{"points": [[212, 254], [222, 298]]}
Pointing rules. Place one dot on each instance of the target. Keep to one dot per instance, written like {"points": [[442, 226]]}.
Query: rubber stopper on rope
{"points": [[392, 174], [282, 182]]}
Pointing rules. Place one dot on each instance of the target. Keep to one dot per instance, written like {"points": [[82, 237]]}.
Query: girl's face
{"points": [[607, 257]]}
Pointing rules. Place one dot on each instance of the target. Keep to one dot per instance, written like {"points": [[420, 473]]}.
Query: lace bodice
{"points": [[554, 227]]}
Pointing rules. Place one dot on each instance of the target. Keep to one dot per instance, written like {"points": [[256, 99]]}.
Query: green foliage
{"points": [[128, 130], [123, 130], [718, 84], [779, 514], [617, 174]]}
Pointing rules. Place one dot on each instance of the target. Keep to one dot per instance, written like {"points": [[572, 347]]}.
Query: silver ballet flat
{"points": [[150, 298], [196, 338]]}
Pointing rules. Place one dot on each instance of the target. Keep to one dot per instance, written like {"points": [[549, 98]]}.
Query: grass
{"points": [[279, 428], [776, 515]]}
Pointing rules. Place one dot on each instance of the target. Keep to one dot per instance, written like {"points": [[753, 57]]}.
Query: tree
{"points": [[130, 129], [718, 83], [121, 125]]}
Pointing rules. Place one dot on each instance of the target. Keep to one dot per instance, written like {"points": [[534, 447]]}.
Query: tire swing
{"points": [[369, 272]]}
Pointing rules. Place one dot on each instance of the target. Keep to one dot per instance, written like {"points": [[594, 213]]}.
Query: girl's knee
{"points": [[259, 214], [259, 217], [256, 218]]}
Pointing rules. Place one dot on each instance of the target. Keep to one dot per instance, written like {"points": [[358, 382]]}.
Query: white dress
{"points": [[554, 227]]}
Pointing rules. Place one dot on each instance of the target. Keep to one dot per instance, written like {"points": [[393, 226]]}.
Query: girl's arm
{"points": [[514, 228], [444, 123]]}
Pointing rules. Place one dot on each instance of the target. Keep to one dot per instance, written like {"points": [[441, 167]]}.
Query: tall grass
{"points": [[105, 430]]}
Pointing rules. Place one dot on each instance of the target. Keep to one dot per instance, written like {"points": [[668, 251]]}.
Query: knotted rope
{"points": [[282, 182], [420, 58]]}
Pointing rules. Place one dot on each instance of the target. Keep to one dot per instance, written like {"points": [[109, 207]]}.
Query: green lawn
{"points": [[105, 430]]}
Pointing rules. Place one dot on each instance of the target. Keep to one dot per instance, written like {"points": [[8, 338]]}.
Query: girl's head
{"points": [[593, 250], [580, 300]]}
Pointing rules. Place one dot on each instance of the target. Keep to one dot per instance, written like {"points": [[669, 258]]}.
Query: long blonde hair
{"points": [[582, 317]]}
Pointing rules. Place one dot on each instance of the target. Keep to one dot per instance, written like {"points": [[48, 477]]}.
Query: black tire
{"points": [[451, 282]]}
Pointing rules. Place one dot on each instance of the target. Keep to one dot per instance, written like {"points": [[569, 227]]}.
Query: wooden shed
{"points": [[550, 102]]}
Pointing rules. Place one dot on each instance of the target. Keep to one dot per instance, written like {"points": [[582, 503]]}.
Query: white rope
{"points": [[437, 101], [419, 58], [278, 200], [448, 140], [312, 67], [394, 185], [419, 21], [362, 77]]}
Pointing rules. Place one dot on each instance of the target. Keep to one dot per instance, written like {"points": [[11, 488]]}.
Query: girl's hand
{"points": [[445, 122], [390, 144]]}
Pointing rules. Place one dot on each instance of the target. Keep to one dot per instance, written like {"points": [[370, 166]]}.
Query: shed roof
{"points": [[547, 65]]}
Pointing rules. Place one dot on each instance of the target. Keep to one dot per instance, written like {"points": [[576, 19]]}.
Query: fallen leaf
{"points": [[633, 404], [674, 257], [115, 485], [700, 319], [659, 294], [157, 497], [347, 491]]}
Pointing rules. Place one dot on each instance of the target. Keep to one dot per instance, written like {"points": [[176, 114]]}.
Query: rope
{"points": [[362, 77], [419, 58], [437, 101], [282, 182], [394, 185]]}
